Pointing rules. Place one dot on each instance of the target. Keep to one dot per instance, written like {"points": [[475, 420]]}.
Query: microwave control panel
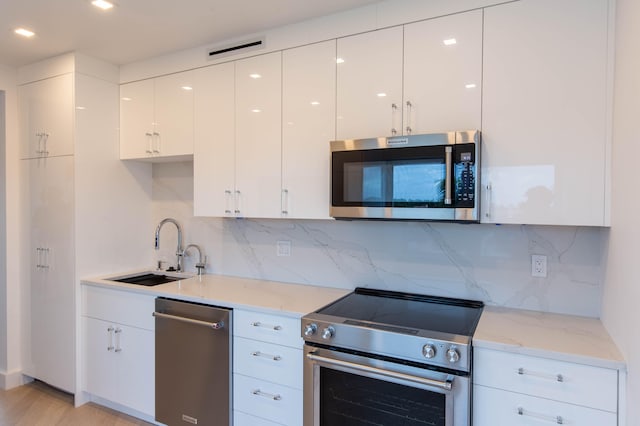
{"points": [[464, 175]]}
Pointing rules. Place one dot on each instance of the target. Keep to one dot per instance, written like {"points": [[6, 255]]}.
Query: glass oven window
{"points": [[348, 399]]}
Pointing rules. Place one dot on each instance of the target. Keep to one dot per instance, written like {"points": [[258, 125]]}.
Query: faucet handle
{"points": [[200, 266], [160, 262]]}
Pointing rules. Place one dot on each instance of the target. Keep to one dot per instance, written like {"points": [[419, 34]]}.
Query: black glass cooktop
{"points": [[414, 311]]}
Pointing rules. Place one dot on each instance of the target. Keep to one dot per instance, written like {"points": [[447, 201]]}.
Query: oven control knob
{"points": [[453, 355], [328, 333], [310, 329], [428, 351]]}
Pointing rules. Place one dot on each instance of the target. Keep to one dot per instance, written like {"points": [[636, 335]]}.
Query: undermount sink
{"points": [[148, 279]]}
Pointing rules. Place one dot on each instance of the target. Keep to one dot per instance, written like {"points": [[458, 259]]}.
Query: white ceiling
{"points": [[139, 29]]}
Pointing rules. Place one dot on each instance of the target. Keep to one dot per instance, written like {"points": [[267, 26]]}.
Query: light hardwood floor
{"points": [[37, 404]]}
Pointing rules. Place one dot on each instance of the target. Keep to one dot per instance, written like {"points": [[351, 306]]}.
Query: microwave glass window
{"points": [[394, 183]]}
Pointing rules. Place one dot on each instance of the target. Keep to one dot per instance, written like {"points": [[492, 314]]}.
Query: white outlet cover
{"points": [[283, 248], [539, 265]]}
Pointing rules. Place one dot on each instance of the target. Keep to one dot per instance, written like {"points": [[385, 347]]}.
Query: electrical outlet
{"points": [[539, 265], [283, 248]]}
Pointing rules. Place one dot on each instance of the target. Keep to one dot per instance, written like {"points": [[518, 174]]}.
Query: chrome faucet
{"points": [[179, 251], [202, 262]]}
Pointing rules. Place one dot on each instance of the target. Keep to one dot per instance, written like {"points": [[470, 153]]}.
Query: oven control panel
{"points": [[391, 342]]}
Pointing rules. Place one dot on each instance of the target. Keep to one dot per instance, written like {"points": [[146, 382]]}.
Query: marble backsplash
{"points": [[491, 263]]}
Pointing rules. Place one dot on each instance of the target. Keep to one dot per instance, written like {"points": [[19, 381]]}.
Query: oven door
{"points": [[343, 389]]}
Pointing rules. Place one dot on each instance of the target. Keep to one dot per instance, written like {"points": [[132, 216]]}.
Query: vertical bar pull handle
{"points": [[149, 137], [110, 345], [118, 331], [448, 154], [394, 109], [408, 129]]}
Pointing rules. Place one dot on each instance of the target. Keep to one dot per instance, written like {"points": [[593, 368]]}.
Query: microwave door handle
{"points": [[448, 154]]}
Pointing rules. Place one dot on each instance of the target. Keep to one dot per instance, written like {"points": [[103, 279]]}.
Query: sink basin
{"points": [[147, 279]]}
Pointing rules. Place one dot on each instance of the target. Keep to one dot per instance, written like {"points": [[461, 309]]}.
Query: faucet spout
{"points": [[202, 261], [179, 251]]}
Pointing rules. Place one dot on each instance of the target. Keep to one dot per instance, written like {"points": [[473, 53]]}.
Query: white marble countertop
{"points": [[562, 337], [293, 300]]}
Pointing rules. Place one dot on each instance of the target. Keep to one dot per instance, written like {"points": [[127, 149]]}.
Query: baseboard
{"points": [[121, 408], [13, 379]]}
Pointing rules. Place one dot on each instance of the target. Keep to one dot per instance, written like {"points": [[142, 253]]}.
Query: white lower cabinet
{"points": [[119, 348], [267, 369], [515, 389]]}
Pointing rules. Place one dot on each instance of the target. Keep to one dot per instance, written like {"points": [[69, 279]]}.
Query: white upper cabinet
{"points": [[544, 124], [156, 117], [46, 117], [258, 124], [214, 146], [443, 74], [369, 84], [308, 124]]}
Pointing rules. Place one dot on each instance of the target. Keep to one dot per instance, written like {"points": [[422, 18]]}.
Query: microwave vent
{"points": [[232, 49]]}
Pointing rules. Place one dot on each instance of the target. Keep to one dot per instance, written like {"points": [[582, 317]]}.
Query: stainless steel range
{"points": [[386, 358]]}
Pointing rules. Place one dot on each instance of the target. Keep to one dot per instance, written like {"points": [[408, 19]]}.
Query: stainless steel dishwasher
{"points": [[193, 363]]}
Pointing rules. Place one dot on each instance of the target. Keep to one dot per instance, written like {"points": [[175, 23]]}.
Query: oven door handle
{"points": [[446, 385]]}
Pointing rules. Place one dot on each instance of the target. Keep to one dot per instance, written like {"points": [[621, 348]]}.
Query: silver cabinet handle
{"points": [[448, 154], [237, 202], [39, 136], [284, 201], [272, 327], [263, 355], [408, 129], [150, 143], [42, 258], [214, 325], [117, 333], [445, 385], [157, 149], [45, 139], [553, 419], [394, 109], [487, 211], [258, 392], [110, 331], [555, 377], [38, 257]]}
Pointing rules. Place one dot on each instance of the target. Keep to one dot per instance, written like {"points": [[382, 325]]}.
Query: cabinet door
{"points": [[214, 147], [173, 130], [308, 124], [443, 74], [259, 135], [100, 374], [369, 84], [46, 117], [545, 112], [52, 292], [136, 120], [135, 353]]}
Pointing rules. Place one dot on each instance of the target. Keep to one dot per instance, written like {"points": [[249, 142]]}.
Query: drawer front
{"points": [[593, 387], [497, 407], [242, 419], [119, 306], [268, 361], [280, 404], [268, 328]]}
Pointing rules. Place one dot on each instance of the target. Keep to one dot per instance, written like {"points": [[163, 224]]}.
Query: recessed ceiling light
{"points": [[339, 61], [449, 41], [381, 95], [24, 32], [126, 99], [102, 4], [256, 110], [470, 86], [187, 88], [314, 103], [255, 76]]}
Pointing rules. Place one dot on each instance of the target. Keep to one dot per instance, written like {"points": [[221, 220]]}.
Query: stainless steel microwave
{"points": [[418, 177]]}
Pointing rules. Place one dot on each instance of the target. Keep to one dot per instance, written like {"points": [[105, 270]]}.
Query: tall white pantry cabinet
{"points": [[76, 199]]}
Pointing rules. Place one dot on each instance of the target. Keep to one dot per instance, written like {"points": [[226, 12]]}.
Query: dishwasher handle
{"points": [[214, 325]]}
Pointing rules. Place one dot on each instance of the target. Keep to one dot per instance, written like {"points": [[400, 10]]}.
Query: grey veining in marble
{"points": [[485, 262]]}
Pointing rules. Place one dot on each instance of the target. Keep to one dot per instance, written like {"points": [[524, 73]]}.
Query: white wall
{"points": [[9, 274], [485, 262], [621, 314]]}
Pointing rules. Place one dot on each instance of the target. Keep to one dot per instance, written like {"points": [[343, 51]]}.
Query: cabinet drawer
{"points": [[122, 307], [497, 407], [269, 328], [268, 361], [243, 419], [558, 380], [272, 402]]}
